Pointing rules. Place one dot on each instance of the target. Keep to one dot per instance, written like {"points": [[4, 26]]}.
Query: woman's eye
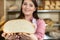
{"points": [[31, 5], [25, 3]]}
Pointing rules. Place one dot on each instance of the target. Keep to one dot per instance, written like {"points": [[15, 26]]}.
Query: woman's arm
{"points": [[40, 31]]}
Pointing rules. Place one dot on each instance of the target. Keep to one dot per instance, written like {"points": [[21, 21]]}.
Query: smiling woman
{"points": [[29, 13]]}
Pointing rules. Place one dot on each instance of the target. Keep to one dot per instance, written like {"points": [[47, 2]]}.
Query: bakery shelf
{"points": [[48, 11], [13, 11], [38, 11]]}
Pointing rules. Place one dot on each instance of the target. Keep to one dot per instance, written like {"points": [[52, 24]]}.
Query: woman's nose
{"points": [[27, 6]]}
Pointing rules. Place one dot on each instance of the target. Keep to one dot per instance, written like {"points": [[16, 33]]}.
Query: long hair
{"points": [[21, 16]]}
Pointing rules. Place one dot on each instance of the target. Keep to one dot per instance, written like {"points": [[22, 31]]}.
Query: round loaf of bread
{"points": [[19, 25]]}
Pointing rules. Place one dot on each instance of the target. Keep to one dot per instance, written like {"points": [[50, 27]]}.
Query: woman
{"points": [[29, 13]]}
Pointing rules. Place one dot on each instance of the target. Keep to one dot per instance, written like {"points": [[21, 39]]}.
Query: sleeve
{"points": [[40, 31]]}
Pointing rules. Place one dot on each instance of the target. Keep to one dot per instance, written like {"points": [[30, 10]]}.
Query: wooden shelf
{"points": [[38, 11], [13, 11], [48, 11]]}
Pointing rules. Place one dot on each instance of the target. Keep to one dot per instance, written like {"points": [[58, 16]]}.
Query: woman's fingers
{"points": [[4, 34], [7, 35]]}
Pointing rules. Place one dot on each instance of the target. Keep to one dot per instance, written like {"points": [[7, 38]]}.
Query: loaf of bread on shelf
{"points": [[18, 25], [47, 2], [47, 7], [57, 7], [52, 7], [53, 3], [13, 8], [57, 2]]}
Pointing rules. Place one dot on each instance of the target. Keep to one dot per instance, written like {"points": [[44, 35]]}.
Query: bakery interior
{"points": [[48, 10]]}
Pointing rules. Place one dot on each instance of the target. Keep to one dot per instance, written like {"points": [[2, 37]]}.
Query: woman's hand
{"points": [[30, 36], [7, 35], [23, 36]]}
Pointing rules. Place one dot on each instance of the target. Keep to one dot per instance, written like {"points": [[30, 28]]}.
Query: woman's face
{"points": [[28, 7]]}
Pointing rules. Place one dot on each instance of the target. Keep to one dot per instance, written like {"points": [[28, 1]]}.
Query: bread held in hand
{"points": [[19, 25]]}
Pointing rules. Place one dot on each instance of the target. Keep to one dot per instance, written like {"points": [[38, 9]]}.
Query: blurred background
{"points": [[48, 10]]}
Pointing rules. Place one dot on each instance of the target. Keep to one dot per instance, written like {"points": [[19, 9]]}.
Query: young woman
{"points": [[29, 13]]}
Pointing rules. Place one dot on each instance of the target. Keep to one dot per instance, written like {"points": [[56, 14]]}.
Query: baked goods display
{"points": [[47, 3], [13, 5], [50, 5], [20, 25], [13, 8], [47, 7], [58, 5]]}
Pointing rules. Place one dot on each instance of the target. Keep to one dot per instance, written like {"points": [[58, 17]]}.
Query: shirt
{"points": [[40, 29]]}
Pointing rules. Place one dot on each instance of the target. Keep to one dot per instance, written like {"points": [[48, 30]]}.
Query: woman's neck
{"points": [[28, 17]]}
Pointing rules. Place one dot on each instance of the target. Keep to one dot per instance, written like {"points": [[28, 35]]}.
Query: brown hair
{"points": [[21, 16]]}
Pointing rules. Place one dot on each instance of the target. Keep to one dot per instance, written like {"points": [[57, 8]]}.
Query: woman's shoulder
{"points": [[41, 23], [40, 20]]}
